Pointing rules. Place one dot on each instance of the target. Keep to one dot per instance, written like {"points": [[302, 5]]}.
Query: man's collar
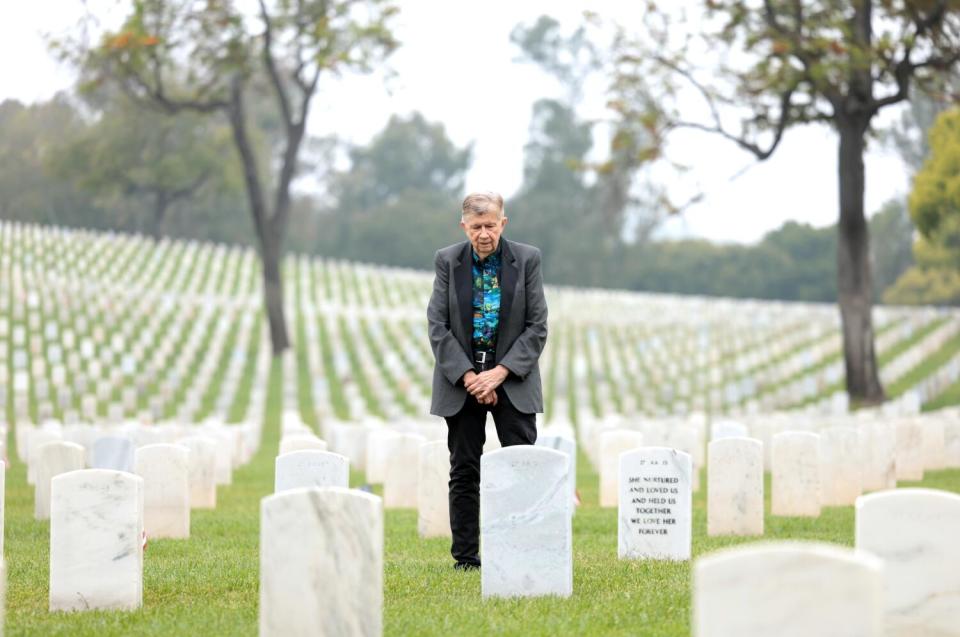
{"points": [[495, 255]]}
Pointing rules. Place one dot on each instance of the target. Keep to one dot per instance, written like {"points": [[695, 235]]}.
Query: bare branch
{"points": [[272, 66], [708, 97], [904, 70], [742, 142]]}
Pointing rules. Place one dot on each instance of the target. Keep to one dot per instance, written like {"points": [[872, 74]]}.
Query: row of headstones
{"points": [[178, 476], [412, 463], [526, 536], [901, 581], [809, 470], [123, 379], [108, 256], [128, 356], [744, 387]]}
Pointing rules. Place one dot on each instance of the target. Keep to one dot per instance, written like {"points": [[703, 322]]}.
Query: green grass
{"points": [[208, 584], [926, 367]]}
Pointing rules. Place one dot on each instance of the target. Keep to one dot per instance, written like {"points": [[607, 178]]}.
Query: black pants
{"points": [[465, 438]]}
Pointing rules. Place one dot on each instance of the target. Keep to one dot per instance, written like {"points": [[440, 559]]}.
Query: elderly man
{"points": [[488, 326]]}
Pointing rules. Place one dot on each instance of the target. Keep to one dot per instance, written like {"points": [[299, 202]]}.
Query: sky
{"points": [[457, 66]]}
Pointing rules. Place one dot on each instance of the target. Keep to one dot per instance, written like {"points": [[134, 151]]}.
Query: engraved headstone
{"points": [[655, 513]]}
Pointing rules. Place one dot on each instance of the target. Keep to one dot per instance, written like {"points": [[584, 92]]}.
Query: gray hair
{"points": [[478, 203]]}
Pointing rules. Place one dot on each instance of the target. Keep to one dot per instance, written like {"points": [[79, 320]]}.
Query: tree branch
{"points": [[137, 88], [271, 65], [760, 153]]}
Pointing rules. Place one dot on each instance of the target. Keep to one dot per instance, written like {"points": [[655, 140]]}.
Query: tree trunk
{"points": [[854, 285], [273, 296], [265, 225]]}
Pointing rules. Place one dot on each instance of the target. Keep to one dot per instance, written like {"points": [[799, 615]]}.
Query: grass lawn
{"points": [[207, 585]]}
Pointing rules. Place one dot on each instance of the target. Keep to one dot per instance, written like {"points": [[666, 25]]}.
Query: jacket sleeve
{"points": [[452, 361], [523, 355]]}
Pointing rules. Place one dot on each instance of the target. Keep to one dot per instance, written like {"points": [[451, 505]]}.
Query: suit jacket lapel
{"points": [[508, 286], [463, 285]]}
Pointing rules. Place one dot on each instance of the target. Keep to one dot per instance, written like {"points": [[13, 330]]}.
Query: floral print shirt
{"points": [[486, 300]]}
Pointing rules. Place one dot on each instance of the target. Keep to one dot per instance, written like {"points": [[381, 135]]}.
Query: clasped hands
{"points": [[483, 386]]}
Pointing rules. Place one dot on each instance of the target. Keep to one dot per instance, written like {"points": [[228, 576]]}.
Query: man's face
{"points": [[483, 230]]}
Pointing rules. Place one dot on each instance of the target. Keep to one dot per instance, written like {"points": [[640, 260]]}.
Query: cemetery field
{"points": [[209, 584], [114, 350]]}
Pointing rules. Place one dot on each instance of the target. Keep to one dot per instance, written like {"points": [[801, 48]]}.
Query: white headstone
{"points": [[34, 439], [96, 540], [735, 487], [379, 445], [841, 466], [951, 441], [525, 523], [113, 453], [934, 444], [916, 532], [878, 450], [433, 503], [795, 483], [400, 477], [568, 446], [655, 509], [299, 443], [202, 471], [728, 429], [311, 468], [350, 440], [787, 589], [165, 470], [909, 450], [321, 563], [53, 458], [612, 444]]}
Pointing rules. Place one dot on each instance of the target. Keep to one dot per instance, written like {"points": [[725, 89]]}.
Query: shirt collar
{"points": [[493, 258]]}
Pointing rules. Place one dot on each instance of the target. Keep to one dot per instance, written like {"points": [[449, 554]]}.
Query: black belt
{"points": [[483, 359]]}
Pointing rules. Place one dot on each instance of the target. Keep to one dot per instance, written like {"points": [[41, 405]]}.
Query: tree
{"points": [[400, 196], [891, 244], [784, 63], [182, 56], [148, 157], [935, 210], [30, 137]]}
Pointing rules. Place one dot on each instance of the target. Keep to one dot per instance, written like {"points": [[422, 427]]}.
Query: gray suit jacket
{"points": [[522, 332]]}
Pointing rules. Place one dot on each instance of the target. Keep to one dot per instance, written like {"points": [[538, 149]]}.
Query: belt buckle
{"points": [[483, 357]]}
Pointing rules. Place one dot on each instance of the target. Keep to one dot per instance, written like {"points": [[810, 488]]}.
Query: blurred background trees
{"points": [[93, 159]]}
